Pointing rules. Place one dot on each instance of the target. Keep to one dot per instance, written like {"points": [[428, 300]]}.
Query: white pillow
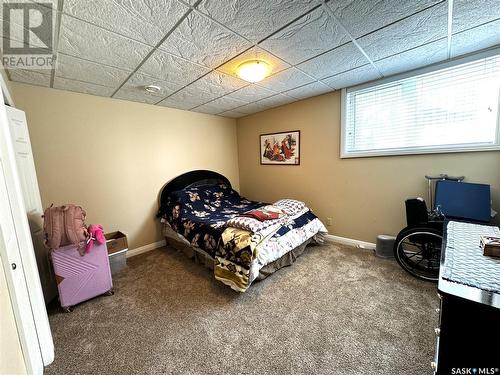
{"points": [[290, 206]]}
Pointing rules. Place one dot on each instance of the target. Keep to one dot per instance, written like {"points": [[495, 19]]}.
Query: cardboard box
{"points": [[116, 241]]}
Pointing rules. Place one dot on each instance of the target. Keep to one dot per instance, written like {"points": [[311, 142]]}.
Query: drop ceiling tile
{"points": [[314, 33], [414, 31], [256, 19], [415, 58], [363, 17], [167, 67], [232, 114], [43, 71], [32, 77], [134, 90], [286, 80], [339, 60], [176, 101], [472, 13], [188, 98], [142, 20], [251, 93], [312, 89], [475, 39], [248, 109], [218, 84], [254, 53], [209, 110], [82, 87], [203, 41], [81, 39], [352, 77], [220, 105], [276, 100], [88, 71]]}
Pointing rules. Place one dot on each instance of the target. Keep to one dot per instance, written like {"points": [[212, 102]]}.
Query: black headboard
{"points": [[192, 179]]}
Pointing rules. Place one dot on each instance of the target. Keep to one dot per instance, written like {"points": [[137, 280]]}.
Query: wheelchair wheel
{"points": [[418, 251]]}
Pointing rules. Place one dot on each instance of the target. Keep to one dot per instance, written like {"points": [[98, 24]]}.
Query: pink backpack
{"points": [[64, 225]]}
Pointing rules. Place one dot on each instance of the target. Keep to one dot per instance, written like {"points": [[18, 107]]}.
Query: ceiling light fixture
{"points": [[253, 70], [153, 89]]}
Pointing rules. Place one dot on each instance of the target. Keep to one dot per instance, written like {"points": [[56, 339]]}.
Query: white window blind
{"points": [[450, 109]]}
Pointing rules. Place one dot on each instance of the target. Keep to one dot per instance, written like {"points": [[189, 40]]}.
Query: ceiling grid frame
{"points": [[60, 6], [317, 84], [257, 44], [450, 28], [160, 42], [252, 45], [332, 15]]}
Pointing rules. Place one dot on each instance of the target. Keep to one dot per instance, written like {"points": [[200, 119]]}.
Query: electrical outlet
{"points": [[329, 221]]}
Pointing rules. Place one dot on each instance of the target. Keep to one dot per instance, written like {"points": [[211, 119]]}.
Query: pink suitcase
{"points": [[80, 278]]}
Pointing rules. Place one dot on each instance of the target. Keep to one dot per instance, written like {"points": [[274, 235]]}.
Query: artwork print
{"points": [[280, 148]]}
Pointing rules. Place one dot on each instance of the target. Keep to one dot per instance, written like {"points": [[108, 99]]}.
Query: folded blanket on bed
{"points": [[236, 254], [288, 209], [242, 254]]}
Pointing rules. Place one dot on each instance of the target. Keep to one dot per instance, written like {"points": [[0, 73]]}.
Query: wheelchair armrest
{"points": [[416, 212]]}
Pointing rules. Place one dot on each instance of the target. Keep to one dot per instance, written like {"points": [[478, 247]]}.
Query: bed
{"points": [[241, 240]]}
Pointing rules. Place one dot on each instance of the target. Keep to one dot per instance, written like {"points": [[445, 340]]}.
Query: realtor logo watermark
{"points": [[27, 35]]}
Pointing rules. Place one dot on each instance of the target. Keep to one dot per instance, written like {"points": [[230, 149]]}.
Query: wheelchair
{"points": [[417, 248]]}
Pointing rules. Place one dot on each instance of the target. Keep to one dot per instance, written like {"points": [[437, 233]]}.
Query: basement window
{"points": [[453, 107]]}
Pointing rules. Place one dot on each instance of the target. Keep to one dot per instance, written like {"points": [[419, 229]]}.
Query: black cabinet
{"points": [[468, 336]]}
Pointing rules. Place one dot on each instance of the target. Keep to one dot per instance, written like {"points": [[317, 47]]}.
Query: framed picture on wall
{"points": [[280, 148]]}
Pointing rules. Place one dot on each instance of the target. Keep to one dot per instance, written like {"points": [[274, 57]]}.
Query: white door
{"points": [[11, 354], [14, 272], [31, 196], [19, 261], [24, 158]]}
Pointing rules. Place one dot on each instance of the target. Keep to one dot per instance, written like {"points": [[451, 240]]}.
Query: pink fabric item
{"points": [[262, 214], [96, 233]]}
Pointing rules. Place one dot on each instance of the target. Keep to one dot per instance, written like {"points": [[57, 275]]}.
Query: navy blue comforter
{"points": [[200, 214]]}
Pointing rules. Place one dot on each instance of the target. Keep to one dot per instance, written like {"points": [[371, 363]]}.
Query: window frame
{"points": [[420, 150]]}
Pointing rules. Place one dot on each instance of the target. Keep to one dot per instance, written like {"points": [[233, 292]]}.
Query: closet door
{"points": [[14, 272], [19, 263], [31, 196]]}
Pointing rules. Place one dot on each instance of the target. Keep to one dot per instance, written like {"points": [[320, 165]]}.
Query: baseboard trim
{"points": [[329, 237], [145, 248], [350, 242]]}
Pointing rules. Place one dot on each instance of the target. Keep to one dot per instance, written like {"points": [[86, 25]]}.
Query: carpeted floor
{"points": [[337, 310]]}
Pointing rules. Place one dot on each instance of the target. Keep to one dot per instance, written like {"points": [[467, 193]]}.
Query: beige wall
{"points": [[113, 156], [363, 196], [11, 356]]}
